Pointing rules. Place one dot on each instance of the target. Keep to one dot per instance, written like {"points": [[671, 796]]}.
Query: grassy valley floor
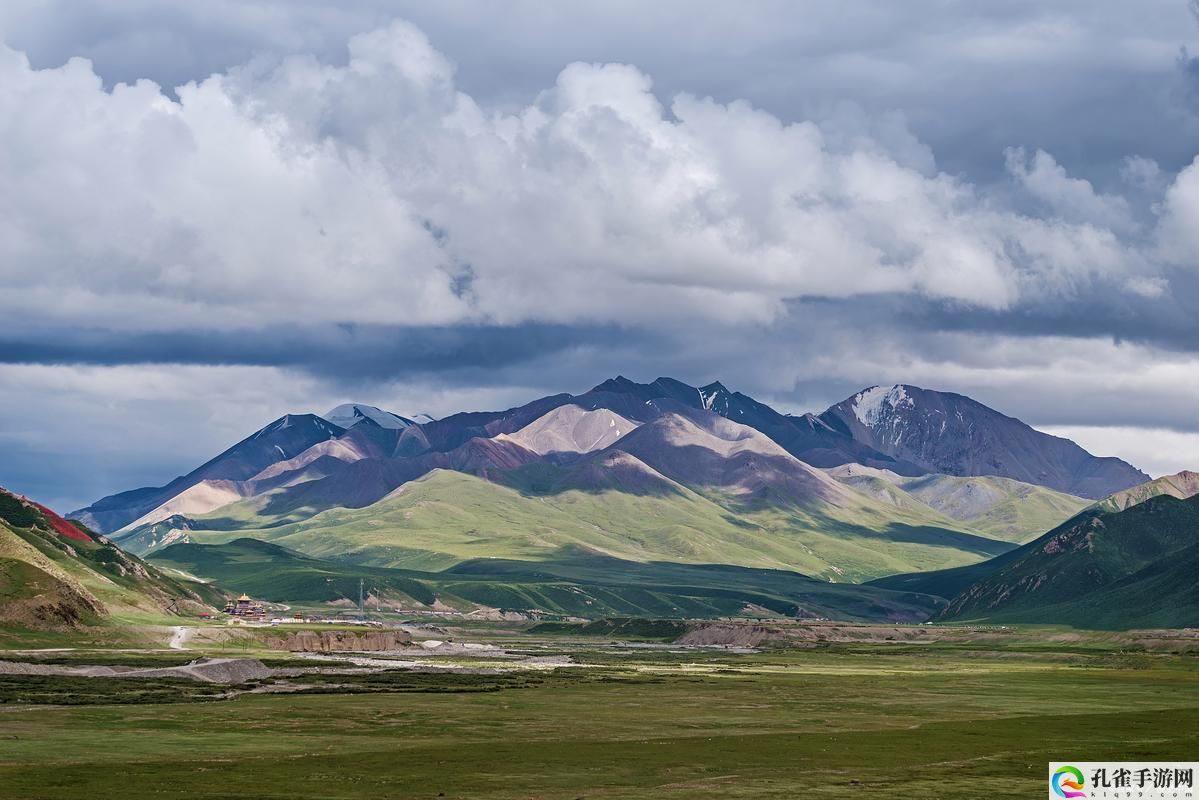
{"points": [[873, 719]]}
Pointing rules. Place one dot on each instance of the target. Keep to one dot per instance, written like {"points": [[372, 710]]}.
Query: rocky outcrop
{"points": [[731, 635], [34, 598], [345, 641]]}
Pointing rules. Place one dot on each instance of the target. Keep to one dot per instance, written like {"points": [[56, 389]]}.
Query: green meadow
{"points": [[446, 518], [836, 721]]}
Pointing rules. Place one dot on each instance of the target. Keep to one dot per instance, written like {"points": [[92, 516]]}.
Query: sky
{"points": [[214, 214]]}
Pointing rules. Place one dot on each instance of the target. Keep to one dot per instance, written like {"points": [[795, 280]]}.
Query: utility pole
{"points": [[360, 612]]}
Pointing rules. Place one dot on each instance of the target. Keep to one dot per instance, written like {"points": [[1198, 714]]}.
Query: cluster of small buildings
{"points": [[244, 608]]}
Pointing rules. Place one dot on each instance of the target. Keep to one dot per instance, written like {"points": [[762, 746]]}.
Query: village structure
{"points": [[245, 609]]}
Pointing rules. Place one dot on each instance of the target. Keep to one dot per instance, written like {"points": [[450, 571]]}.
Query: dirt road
{"points": [[179, 639]]}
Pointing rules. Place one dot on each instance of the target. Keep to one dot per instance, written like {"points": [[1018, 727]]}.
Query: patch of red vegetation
{"points": [[63, 527]]}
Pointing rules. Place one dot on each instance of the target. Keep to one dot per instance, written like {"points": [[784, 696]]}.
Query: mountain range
{"points": [[903, 429], [890, 480], [656, 499], [942, 432]]}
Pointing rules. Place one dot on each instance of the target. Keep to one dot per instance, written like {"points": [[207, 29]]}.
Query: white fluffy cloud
{"points": [[1179, 239], [299, 193], [1069, 198], [377, 192]]}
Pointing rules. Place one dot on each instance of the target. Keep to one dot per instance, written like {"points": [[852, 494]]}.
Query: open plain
{"points": [[945, 713]]}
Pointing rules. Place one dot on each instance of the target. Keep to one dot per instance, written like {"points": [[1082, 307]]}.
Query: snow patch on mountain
{"points": [[288, 420], [349, 414], [715, 397], [871, 405]]}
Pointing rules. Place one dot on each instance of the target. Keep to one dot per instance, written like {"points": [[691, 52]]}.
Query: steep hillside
{"points": [[1102, 569], [945, 583], [343, 473], [285, 438], [946, 433], [359, 483], [1000, 507], [1181, 485], [705, 451], [661, 471], [576, 584], [303, 464], [805, 436], [351, 414], [687, 485], [571, 429], [612, 470], [39, 599], [881, 484], [447, 517], [56, 574]]}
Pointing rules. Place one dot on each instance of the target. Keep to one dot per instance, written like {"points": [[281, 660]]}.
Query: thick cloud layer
{"points": [[355, 220], [376, 193], [1088, 80]]}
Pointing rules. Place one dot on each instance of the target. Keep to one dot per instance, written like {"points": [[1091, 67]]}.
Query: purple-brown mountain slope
{"points": [[942, 432], [285, 438], [909, 431]]}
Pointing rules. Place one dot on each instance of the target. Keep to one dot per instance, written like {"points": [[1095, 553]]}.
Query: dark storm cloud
{"points": [[353, 352], [1167, 321], [1050, 370]]}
